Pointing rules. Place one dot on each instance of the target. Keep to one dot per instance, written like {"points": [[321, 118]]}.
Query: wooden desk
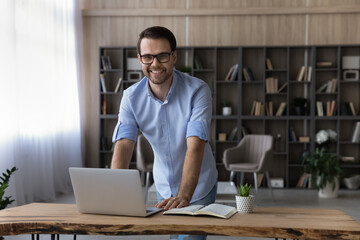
{"points": [[294, 223]]}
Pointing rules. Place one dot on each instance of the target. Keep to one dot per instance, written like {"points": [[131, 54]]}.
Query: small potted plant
{"points": [[300, 104], [325, 166], [244, 201], [226, 109], [186, 70]]}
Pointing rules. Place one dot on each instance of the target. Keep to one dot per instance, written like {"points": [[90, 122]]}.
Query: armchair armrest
{"points": [[231, 155]]}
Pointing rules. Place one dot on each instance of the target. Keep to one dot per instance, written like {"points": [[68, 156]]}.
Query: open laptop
{"points": [[109, 191]]}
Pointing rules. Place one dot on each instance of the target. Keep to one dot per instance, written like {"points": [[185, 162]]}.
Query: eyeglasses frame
{"points": [[156, 56]]}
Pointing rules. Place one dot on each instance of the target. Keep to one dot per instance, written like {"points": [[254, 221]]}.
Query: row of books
{"points": [[106, 63], [103, 84], [248, 75], [271, 85], [232, 73], [304, 74], [304, 181], [330, 108], [328, 87], [260, 109]]}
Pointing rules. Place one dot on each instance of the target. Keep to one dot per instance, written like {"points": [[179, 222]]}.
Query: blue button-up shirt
{"points": [[186, 112]]}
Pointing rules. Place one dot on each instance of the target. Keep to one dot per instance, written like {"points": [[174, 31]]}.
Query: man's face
{"points": [[157, 73]]}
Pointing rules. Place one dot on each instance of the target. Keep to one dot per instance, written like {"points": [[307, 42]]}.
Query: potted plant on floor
{"points": [[244, 201], [325, 166]]}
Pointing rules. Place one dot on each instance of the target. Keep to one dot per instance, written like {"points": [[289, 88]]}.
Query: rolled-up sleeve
{"points": [[126, 126], [200, 120]]}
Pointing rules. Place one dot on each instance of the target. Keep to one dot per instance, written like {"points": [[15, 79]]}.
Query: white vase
{"points": [[328, 191], [245, 204], [226, 111]]}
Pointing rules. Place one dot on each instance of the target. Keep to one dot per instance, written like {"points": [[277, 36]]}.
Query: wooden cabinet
{"points": [[255, 100]]}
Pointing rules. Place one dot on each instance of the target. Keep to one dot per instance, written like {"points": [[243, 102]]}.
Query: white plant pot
{"points": [[245, 204], [226, 111], [328, 192]]}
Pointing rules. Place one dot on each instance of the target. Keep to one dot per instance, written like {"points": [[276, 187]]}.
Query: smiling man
{"points": [[173, 111]]}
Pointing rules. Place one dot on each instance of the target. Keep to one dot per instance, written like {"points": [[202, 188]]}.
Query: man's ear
{"points": [[138, 55], [175, 56]]}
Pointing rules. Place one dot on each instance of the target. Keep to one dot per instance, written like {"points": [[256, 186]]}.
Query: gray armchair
{"points": [[252, 155], [144, 159]]}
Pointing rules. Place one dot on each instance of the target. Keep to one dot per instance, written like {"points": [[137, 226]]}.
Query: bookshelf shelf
{"points": [[212, 64]]}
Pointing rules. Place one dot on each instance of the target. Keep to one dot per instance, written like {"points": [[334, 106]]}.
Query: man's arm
{"points": [[190, 175], [122, 153]]}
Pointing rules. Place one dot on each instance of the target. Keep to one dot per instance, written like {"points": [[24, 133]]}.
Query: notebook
{"points": [[109, 191]]}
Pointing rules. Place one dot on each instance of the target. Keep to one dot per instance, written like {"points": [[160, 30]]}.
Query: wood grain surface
{"points": [[295, 223]]}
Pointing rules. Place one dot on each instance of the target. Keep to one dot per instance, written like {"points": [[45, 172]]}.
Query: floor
{"points": [[348, 201]]}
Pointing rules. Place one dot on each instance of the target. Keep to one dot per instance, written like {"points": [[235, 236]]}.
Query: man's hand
{"points": [[173, 202]]}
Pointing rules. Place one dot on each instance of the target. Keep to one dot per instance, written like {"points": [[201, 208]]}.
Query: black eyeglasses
{"points": [[161, 57]]}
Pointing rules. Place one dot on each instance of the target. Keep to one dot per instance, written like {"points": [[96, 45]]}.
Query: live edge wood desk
{"points": [[292, 223]]}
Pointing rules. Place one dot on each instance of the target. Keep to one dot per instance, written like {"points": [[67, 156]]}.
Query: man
{"points": [[173, 111]]}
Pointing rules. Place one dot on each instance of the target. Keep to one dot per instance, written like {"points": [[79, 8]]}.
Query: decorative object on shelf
{"points": [[244, 201], [134, 76], [325, 137], [222, 136], [4, 183], [300, 106], [226, 109], [324, 166], [277, 182], [351, 66], [277, 144]]}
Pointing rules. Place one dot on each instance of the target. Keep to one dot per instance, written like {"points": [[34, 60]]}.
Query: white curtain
{"points": [[40, 123]]}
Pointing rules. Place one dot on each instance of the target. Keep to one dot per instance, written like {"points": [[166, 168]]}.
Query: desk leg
{"points": [[74, 236]]}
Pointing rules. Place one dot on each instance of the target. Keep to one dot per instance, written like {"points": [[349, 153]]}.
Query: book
{"points": [[269, 64], [332, 108], [281, 110], [215, 210], [282, 87], [333, 85], [324, 64], [319, 108], [102, 80], [232, 135], [104, 107], [347, 158], [271, 85], [300, 74], [234, 73], [352, 108], [246, 76], [309, 74], [228, 75], [117, 88], [249, 77], [356, 135], [105, 61], [322, 88]]}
